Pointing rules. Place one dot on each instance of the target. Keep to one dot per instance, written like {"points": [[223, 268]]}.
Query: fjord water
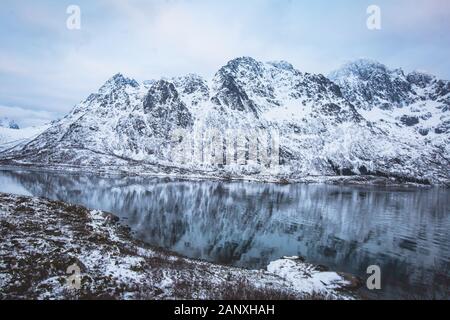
{"points": [[346, 228]]}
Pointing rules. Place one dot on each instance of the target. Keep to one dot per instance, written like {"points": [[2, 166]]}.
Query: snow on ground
{"points": [[309, 278], [12, 137], [42, 238]]}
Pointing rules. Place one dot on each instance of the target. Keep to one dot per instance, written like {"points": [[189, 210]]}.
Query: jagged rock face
{"points": [[230, 90], [369, 120], [412, 108], [247, 85], [116, 83], [193, 89], [419, 79], [164, 106], [119, 123], [417, 100], [367, 84]]}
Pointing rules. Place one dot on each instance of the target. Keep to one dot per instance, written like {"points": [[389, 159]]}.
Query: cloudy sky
{"points": [[45, 68]]}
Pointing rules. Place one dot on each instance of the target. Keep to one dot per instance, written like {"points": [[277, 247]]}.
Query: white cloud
{"points": [[47, 67], [27, 118]]}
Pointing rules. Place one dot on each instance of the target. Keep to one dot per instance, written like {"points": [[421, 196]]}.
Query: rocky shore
{"points": [[55, 250]]}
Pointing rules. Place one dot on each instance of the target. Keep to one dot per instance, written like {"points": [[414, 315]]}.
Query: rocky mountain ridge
{"points": [[365, 119]]}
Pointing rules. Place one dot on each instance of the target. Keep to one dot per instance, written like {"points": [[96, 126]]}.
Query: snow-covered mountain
{"points": [[360, 124], [5, 122], [417, 99], [12, 137]]}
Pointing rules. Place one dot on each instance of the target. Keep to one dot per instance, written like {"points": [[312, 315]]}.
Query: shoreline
{"points": [[43, 238], [355, 180]]}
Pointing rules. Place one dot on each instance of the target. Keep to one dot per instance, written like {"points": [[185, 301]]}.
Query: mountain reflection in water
{"points": [[247, 224]]}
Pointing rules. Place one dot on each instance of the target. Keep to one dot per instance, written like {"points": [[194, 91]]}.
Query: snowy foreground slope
{"points": [[266, 121], [41, 239]]}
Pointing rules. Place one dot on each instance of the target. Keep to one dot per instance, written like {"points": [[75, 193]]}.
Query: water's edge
{"points": [[351, 180], [136, 266], [249, 224]]}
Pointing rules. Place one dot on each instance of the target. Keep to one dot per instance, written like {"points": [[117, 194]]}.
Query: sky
{"points": [[46, 68]]}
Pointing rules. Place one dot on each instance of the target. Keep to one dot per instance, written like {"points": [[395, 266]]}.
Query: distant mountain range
{"points": [[363, 120], [5, 122], [15, 136]]}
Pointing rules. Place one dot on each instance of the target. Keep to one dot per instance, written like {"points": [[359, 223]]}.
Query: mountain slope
{"points": [[11, 137], [413, 108], [417, 99], [305, 124]]}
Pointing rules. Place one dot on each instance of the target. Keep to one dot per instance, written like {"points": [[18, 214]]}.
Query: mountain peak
{"points": [[360, 68], [420, 78], [192, 85], [365, 63], [367, 84], [192, 76], [241, 63], [118, 81], [282, 64], [163, 102], [243, 60], [189, 77], [161, 91]]}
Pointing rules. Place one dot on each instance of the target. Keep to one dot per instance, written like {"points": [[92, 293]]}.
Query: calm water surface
{"points": [[404, 231]]}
